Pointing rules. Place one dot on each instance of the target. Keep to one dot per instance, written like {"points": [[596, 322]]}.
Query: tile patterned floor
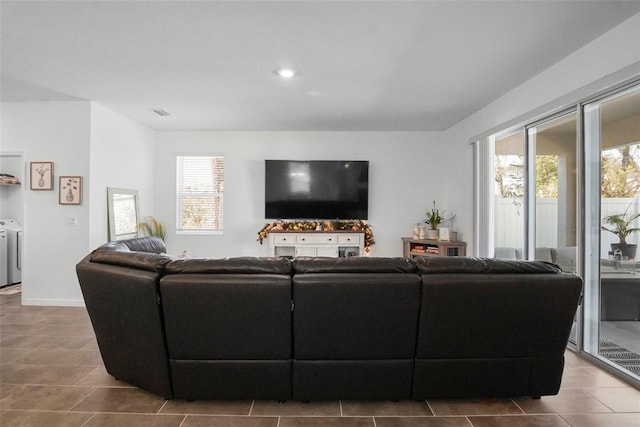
{"points": [[51, 374]]}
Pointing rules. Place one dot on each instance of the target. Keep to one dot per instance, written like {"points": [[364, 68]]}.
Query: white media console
{"points": [[316, 243]]}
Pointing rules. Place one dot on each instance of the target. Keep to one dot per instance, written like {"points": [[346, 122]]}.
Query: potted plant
{"points": [[620, 225], [153, 227], [434, 217]]}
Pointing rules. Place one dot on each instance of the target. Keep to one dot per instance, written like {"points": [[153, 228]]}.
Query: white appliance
{"points": [[3, 258], [13, 255]]}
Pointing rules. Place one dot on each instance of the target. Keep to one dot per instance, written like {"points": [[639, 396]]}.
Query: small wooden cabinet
{"points": [[418, 248], [316, 243]]}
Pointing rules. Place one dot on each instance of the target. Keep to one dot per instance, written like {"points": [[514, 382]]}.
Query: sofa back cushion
{"points": [[543, 254], [122, 302], [305, 265], [238, 265], [506, 253], [136, 260], [476, 265], [227, 316], [142, 253], [496, 315], [347, 315], [137, 244]]}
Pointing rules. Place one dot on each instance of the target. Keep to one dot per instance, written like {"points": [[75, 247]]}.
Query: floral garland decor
{"points": [[341, 225]]}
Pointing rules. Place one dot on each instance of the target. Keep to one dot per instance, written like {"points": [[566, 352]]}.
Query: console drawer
{"points": [[283, 238], [349, 239], [316, 239]]}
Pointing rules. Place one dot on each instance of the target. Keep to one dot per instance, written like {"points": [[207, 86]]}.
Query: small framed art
{"points": [[41, 175], [70, 192]]}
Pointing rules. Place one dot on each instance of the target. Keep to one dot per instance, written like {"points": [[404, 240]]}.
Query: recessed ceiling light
{"points": [[285, 73]]}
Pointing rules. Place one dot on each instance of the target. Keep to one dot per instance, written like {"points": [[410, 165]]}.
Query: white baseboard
{"points": [[53, 302]]}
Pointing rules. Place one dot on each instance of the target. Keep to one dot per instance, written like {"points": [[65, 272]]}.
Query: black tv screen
{"points": [[316, 189]]}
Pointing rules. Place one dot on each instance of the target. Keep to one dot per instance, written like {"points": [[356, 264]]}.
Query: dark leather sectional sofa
{"points": [[327, 328]]}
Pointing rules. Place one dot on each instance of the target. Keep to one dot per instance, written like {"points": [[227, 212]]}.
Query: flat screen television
{"points": [[316, 189]]}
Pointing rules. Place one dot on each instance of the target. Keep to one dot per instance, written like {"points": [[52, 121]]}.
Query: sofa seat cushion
{"points": [[565, 257], [477, 265], [238, 265], [305, 265]]}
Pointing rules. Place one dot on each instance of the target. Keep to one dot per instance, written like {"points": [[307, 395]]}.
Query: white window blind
{"points": [[199, 194]]}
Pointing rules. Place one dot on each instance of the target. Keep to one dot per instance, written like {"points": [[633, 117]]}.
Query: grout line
{"points": [[519, 407], [83, 398], [162, 407], [89, 419], [82, 378], [563, 420], [183, 420], [430, 408], [585, 391]]}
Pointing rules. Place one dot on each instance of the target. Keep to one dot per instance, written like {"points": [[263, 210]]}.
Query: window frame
{"points": [[179, 205]]}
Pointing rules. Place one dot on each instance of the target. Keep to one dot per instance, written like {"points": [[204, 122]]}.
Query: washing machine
{"points": [[13, 255], [4, 278]]}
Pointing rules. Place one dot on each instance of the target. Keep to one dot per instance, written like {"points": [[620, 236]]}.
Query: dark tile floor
{"points": [[51, 375]]}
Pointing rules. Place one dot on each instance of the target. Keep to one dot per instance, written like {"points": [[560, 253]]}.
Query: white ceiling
{"points": [[363, 65]]}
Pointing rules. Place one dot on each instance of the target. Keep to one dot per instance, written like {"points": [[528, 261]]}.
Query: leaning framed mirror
{"points": [[123, 210]]}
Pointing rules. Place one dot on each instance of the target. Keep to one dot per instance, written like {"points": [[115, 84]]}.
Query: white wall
{"points": [[122, 156], [57, 132], [83, 139], [614, 55], [403, 180]]}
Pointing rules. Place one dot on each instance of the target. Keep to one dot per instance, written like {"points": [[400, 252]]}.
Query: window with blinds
{"points": [[199, 194]]}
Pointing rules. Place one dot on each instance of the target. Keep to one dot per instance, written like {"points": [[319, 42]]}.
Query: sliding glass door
{"points": [[535, 192], [566, 189], [612, 273], [552, 228]]}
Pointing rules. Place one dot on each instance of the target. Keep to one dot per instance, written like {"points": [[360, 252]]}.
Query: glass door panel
{"points": [[509, 208], [612, 274], [554, 162]]}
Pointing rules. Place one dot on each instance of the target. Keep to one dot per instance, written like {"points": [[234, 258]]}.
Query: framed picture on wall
{"points": [[70, 192], [41, 175]]}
